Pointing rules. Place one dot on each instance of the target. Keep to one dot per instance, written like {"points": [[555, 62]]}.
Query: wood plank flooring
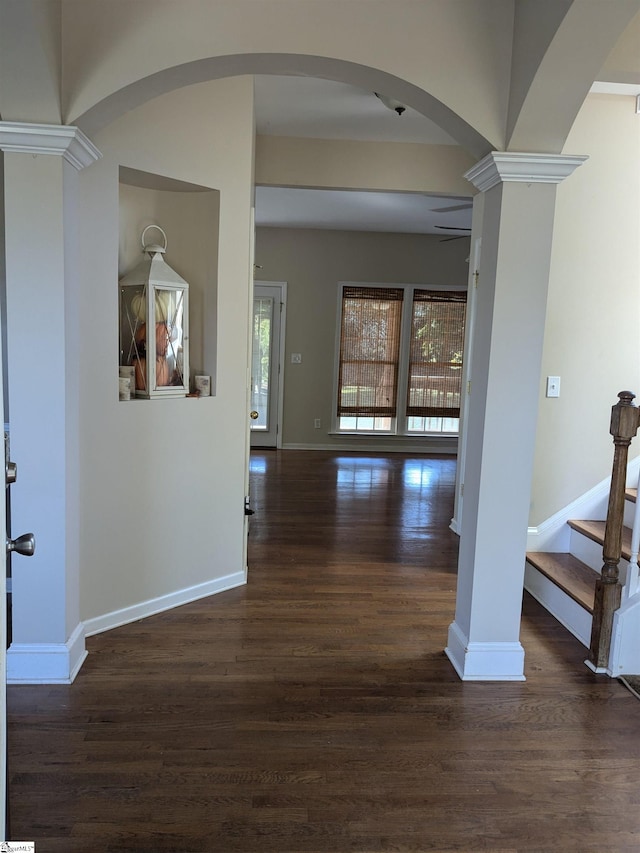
{"points": [[313, 711]]}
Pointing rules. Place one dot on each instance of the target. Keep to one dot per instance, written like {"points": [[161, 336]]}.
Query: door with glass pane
{"points": [[266, 398]]}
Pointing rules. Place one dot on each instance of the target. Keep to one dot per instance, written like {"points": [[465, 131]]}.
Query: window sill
{"points": [[404, 435]]}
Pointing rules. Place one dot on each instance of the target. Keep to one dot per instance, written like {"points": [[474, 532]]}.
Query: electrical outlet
{"points": [[317, 423]]}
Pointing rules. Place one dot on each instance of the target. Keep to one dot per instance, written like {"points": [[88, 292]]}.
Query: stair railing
{"points": [[624, 426]]}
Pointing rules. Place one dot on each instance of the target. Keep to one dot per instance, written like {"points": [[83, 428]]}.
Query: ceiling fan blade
{"points": [[451, 228], [454, 207]]}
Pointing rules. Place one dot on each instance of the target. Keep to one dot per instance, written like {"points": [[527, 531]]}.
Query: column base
{"points": [[484, 661], [46, 663]]}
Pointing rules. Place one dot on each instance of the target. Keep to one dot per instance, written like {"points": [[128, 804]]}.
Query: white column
{"points": [[40, 166], [517, 229]]}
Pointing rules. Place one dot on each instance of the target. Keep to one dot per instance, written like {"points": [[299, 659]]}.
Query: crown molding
{"points": [[501, 166], [62, 140]]}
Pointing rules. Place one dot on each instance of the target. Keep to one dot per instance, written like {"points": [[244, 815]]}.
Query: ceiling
{"points": [[322, 109]]}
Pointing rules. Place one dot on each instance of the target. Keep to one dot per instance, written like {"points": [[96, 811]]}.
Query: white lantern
{"points": [[154, 315]]}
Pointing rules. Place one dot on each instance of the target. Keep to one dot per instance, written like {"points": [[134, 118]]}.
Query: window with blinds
{"points": [[369, 352], [435, 353], [399, 365]]}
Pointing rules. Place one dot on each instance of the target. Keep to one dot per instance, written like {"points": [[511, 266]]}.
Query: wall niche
{"points": [[189, 214]]}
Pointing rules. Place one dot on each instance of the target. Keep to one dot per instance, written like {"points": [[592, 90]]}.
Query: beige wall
{"points": [[312, 262], [151, 471], [345, 164], [458, 52], [593, 314]]}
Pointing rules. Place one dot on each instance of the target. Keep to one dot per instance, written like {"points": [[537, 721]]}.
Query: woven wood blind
{"points": [[369, 351], [435, 355]]}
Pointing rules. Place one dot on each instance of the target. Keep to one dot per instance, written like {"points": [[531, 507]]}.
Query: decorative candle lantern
{"points": [[154, 315]]}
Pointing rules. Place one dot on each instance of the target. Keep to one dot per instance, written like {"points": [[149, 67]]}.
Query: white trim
{"points": [[46, 663], [553, 534], [116, 618], [484, 661], [500, 166], [62, 140], [599, 670], [604, 87], [624, 657], [359, 444], [282, 286]]}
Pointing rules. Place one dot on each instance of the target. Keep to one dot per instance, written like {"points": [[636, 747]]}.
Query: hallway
{"points": [[314, 709]]}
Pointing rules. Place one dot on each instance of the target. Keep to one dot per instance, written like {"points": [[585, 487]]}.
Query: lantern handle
{"points": [[154, 247]]}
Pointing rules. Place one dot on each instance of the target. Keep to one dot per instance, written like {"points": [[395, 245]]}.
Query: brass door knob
{"points": [[254, 415]]}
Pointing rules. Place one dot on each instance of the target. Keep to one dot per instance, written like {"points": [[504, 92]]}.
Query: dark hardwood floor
{"points": [[313, 711]]}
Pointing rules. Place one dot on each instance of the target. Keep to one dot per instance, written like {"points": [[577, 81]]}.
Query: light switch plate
{"points": [[296, 358], [553, 386]]}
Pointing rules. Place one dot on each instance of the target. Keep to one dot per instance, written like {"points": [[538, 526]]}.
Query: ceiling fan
{"points": [[467, 205], [452, 228]]}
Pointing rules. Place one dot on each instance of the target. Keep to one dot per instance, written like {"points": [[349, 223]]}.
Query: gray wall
{"points": [[312, 262]]}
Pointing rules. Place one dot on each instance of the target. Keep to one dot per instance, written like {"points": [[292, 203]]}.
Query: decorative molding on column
{"points": [[58, 139], [500, 166], [484, 661], [46, 663]]}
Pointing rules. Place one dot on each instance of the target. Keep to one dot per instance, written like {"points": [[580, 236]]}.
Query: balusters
{"points": [[633, 577], [624, 425]]}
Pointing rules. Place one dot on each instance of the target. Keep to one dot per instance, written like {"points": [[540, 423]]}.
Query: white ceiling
{"points": [[322, 109]]}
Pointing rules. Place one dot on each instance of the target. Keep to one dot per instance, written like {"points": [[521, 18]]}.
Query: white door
{"points": [[24, 545], [266, 360], [3, 642]]}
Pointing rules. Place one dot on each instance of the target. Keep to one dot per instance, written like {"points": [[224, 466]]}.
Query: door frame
{"points": [[282, 286]]}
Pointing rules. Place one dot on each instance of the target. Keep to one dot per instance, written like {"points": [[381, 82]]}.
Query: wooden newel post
{"points": [[624, 425]]}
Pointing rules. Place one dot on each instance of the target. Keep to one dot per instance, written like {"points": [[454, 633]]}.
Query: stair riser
{"points": [[590, 552], [629, 513], [568, 612]]}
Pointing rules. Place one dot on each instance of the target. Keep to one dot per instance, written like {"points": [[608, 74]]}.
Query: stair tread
{"points": [[568, 573], [595, 530], [631, 494]]}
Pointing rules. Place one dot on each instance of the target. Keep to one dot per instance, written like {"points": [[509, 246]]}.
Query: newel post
{"points": [[624, 425]]}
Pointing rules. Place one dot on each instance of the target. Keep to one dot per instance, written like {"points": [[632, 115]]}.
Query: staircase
{"points": [[587, 588], [565, 583]]}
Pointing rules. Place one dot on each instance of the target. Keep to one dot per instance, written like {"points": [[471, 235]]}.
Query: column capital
{"points": [[502, 166], [62, 140]]}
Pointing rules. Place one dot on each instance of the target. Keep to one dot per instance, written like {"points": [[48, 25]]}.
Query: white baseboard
{"points": [[46, 663], [133, 613], [484, 661], [365, 446]]}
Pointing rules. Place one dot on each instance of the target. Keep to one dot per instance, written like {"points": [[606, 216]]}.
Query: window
{"points": [[400, 359]]}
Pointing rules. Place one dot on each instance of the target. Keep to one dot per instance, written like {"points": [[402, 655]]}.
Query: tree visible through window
{"points": [[435, 354], [375, 351], [369, 352]]}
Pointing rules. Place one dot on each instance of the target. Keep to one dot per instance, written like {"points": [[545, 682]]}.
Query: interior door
{"points": [[266, 359], [24, 545], [4, 834]]}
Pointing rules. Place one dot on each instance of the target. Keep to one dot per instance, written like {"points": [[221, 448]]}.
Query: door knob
{"points": [[25, 545], [10, 473], [254, 415]]}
